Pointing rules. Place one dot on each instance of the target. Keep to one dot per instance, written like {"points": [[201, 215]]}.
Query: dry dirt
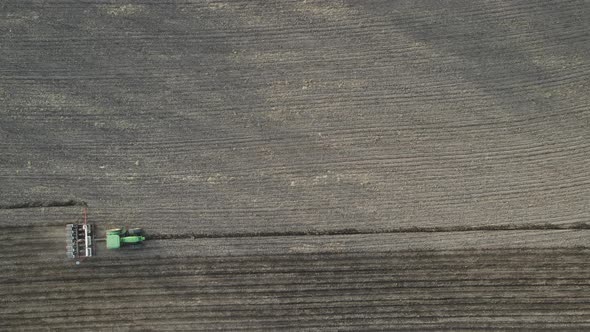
{"points": [[297, 164]]}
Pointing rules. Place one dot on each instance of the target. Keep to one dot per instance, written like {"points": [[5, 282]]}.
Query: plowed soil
{"points": [[340, 165]]}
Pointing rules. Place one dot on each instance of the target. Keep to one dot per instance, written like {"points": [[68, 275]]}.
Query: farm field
{"points": [[317, 165]]}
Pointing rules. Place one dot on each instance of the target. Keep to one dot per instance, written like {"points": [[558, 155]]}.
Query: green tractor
{"points": [[81, 239], [120, 236]]}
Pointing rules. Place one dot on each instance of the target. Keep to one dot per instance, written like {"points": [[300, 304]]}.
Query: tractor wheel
{"points": [[134, 246], [135, 232], [114, 231]]}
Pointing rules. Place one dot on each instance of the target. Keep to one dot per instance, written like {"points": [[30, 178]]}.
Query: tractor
{"points": [[119, 236], [81, 239]]}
